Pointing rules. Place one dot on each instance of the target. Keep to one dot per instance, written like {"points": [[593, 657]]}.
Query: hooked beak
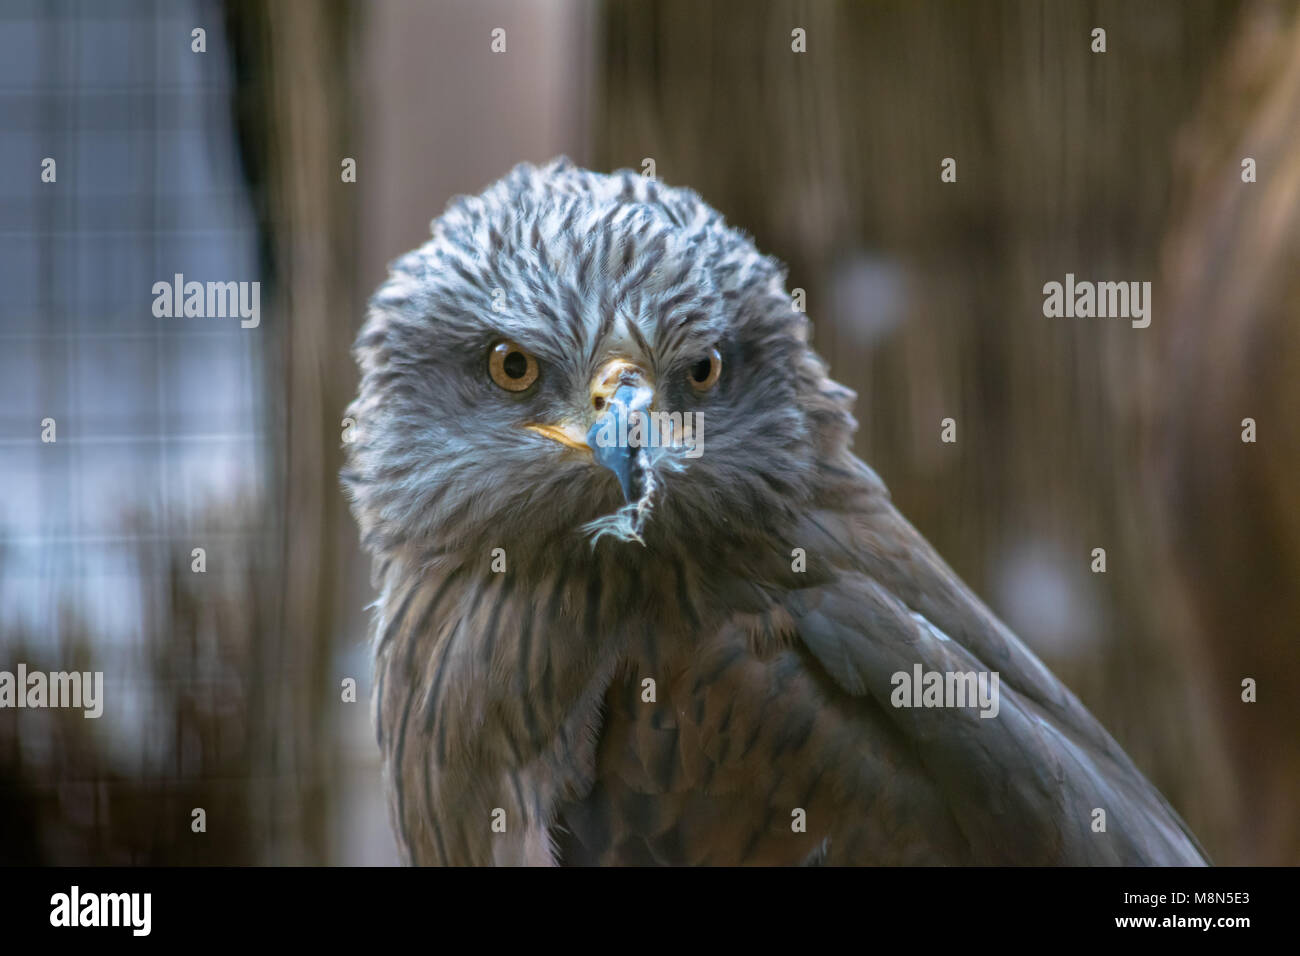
{"points": [[619, 392]]}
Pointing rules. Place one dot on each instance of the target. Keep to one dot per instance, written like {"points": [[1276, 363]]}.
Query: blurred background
{"points": [[224, 689]]}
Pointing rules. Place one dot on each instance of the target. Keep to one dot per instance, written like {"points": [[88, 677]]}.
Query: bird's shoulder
{"points": [[777, 733], [1026, 775]]}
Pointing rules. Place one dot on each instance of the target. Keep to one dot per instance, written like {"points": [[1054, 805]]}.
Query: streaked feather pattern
{"points": [[511, 707]]}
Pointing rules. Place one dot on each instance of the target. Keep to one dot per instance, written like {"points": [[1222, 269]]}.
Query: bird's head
{"points": [[574, 357]]}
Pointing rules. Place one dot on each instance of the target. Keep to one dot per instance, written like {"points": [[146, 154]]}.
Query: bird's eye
{"points": [[704, 373], [511, 367]]}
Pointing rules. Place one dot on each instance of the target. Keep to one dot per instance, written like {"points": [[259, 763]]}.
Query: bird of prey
{"points": [[598, 643]]}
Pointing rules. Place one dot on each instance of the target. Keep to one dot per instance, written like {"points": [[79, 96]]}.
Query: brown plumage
{"points": [[705, 672]]}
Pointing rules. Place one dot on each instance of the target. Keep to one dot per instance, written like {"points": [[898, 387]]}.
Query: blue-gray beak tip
{"points": [[609, 437]]}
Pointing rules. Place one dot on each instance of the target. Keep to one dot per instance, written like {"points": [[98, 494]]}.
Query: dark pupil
{"points": [[701, 369], [516, 365]]}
